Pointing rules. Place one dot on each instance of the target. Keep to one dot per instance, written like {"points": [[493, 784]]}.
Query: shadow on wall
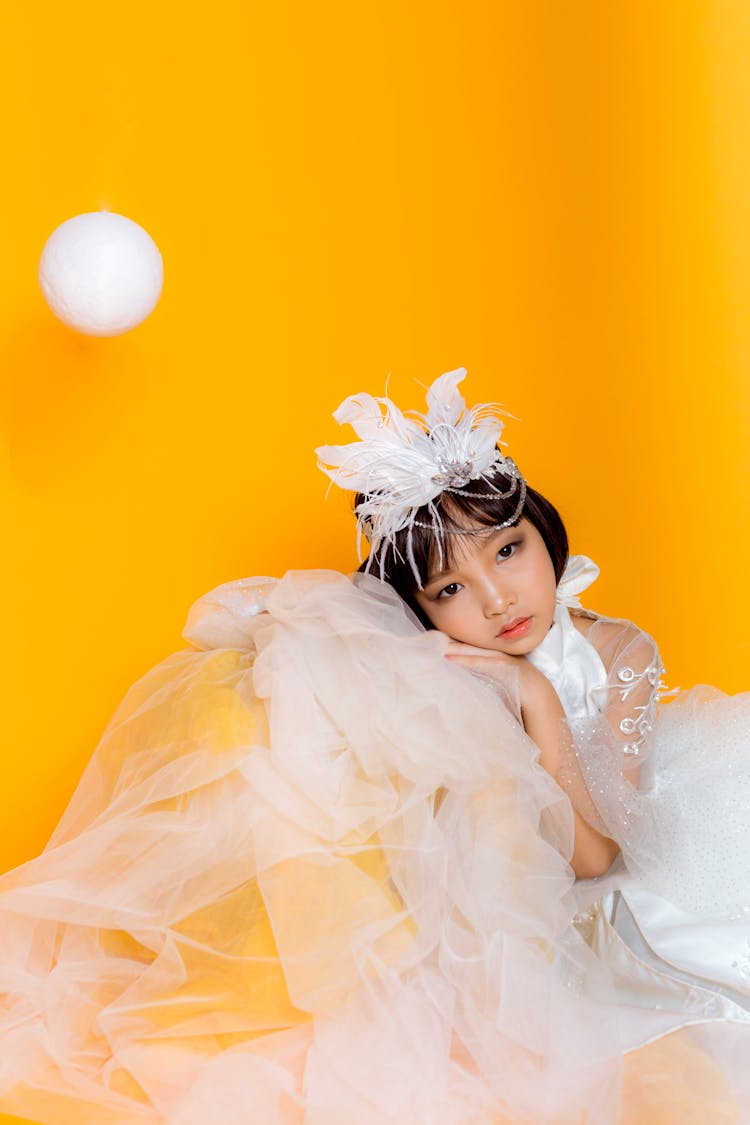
{"points": [[56, 386]]}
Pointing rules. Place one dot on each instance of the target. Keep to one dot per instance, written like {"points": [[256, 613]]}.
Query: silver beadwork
{"points": [[484, 496]]}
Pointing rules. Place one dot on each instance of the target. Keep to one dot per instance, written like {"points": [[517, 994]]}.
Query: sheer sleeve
{"points": [[633, 686], [606, 765]]}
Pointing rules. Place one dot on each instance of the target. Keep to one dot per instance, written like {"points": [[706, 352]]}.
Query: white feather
{"points": [[402, 463]]}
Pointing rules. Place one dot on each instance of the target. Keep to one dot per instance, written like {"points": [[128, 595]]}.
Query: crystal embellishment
{"points": [[453, 474]]}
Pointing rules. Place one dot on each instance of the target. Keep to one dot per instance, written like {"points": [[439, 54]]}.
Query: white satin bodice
{"points": [[571, 664]]}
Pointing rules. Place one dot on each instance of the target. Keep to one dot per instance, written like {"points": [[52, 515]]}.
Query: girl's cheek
{"points": [[434, 612], [443, 616]]}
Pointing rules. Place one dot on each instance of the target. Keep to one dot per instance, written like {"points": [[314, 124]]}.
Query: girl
{"points": [[317, 872], [487, 564]]}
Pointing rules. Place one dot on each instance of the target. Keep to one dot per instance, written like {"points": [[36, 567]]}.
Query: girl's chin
{"points": [[518, 648]]}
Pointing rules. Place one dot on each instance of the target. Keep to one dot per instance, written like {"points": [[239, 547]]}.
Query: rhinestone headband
{"points": [[519, 485]]}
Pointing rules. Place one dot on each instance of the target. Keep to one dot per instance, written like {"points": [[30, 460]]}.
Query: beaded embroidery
{"points": [[642, 724]]}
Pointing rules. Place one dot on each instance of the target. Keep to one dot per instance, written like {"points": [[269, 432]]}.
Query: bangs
{"points": [[463, 519]]}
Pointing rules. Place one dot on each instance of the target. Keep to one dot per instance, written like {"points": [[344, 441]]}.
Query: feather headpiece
{"points": [[403, 462]]}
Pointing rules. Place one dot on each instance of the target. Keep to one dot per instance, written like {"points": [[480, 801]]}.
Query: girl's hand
{"points": [[535, 688], [542, 715], [541, 710], [464, 654]]}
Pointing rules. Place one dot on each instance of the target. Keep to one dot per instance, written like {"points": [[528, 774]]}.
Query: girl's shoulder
{"points": [[615, 639]]}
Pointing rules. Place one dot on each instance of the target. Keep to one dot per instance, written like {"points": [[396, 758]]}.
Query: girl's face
{"points": [[498, 594]]}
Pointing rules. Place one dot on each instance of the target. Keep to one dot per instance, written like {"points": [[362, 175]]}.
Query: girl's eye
{"points": [[450, 590], [507, 551]]}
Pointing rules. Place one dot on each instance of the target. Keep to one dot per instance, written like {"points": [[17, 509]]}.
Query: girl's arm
{"points": [[543, 720], [602, 765]]}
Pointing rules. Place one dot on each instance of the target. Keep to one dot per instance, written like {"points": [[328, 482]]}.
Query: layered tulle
{"points": [[314, 873]]}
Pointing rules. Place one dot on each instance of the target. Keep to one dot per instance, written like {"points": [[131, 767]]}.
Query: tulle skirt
{"points": [[314, 874]]}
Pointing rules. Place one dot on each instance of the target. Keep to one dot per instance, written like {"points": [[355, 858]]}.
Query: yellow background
{"points": [[553, 195]]}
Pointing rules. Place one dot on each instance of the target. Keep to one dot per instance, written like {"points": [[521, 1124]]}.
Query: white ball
{"points": [[101, 273]]}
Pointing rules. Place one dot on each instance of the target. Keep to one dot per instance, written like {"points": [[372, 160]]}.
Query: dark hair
{"points": [[457, 510]]}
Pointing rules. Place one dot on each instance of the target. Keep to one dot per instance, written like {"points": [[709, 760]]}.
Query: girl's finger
{"points": [[486, 656], [472, 650]]}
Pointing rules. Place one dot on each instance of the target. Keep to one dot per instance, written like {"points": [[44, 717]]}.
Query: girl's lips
{"points": [[516, 629]]}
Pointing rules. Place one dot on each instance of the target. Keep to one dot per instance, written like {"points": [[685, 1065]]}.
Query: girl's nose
{"points": [[496, 600]]}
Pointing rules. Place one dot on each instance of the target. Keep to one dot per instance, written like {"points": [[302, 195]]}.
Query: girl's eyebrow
{"points": [[437, 575]]}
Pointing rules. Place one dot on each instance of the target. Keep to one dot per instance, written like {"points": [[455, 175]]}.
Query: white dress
{"points": [[676, 928], [315, 875]]}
